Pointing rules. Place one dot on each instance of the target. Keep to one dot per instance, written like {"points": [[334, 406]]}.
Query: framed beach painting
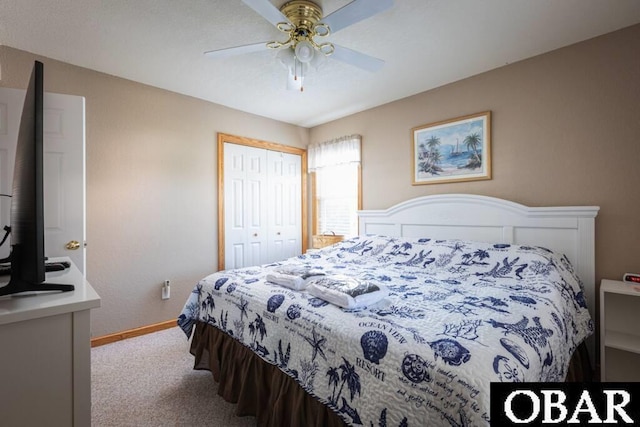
{"points": [[452, 150]]}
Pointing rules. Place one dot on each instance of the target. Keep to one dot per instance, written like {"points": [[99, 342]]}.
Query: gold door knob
{"points": [[72, 245]]}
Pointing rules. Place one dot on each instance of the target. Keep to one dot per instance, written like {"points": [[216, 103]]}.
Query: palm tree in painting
{"points": [[433, 143], [472, 142], [423, 151], [436, 157], [334, 379], [430, 156]]}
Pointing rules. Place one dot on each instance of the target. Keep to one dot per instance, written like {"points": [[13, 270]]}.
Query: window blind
{"points": [[336, 165]]}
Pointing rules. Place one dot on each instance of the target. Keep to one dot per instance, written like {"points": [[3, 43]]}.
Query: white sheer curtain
{"points": [[335, 152], [336, 164]]}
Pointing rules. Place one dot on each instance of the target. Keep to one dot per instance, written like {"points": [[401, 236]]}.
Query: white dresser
{"points": [[45, 354]]}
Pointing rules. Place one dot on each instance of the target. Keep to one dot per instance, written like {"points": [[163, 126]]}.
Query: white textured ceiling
{"points": [[425, 43]]}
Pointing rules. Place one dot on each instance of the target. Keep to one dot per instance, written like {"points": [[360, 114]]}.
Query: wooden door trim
{"points": [[271, 146]]}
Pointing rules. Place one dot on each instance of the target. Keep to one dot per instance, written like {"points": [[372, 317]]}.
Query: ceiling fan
{"points": [[307, 29]]}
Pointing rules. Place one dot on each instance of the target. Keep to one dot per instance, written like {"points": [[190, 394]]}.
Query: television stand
{"points": [[46, 354]]}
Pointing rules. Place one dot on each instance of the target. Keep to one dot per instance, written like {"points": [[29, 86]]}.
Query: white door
{"points": [[11, 101], [64, 170], [64, 178], [284, 201], [245, 181]]}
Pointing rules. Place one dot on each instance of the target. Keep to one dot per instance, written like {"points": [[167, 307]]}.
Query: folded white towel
{"points": [[346, 292], [293, 277]]}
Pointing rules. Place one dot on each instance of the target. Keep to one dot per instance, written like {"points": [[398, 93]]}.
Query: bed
{"points": [[478, 289]]}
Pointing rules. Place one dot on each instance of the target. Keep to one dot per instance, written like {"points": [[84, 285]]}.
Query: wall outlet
{"points": [[166, 290]]}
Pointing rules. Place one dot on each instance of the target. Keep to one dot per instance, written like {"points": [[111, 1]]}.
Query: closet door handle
{"points": [[255, 234]]}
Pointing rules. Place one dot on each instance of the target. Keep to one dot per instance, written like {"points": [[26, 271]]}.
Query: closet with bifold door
{"points": [[261, 192]]}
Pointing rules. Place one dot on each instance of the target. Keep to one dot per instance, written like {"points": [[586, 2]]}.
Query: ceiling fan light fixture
{"points": [[304, 51], [317, 62], [286, 57], [296, 69]]}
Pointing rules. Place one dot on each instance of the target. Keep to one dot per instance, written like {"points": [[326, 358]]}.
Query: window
{"points": [[335, 185]]}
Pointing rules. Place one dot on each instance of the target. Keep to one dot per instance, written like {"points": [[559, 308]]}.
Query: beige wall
{"points": [[151, 186], [566, 131]]}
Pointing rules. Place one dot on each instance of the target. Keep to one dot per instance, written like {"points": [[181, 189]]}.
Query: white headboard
{"points": [[564, 229]]}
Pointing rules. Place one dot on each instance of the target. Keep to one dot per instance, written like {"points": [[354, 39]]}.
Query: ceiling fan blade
{"points": [[237, 50], [267, 10], [354, 12], [357, 59]]}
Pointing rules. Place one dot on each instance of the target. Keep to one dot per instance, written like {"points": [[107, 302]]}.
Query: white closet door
{"points": [[262, 205], [284, 205], [245, 183]]}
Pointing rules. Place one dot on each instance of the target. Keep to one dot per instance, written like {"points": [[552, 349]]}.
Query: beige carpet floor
{"points": [[150, 381]]}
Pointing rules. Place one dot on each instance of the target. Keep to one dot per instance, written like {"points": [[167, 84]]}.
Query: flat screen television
{"points": [[27, 197]]}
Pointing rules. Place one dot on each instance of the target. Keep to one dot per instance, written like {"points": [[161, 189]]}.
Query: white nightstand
{"points": [[619, 331]]}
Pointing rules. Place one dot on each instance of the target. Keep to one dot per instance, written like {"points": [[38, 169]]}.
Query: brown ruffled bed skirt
{"points": [[580, 366], [257, 387], [275, 399]]}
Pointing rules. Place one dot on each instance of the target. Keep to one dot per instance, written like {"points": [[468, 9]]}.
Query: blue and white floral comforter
{"points": [[459, 316]]}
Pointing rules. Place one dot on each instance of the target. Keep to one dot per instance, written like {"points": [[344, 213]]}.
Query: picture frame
{"points": [[452, 150]]}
